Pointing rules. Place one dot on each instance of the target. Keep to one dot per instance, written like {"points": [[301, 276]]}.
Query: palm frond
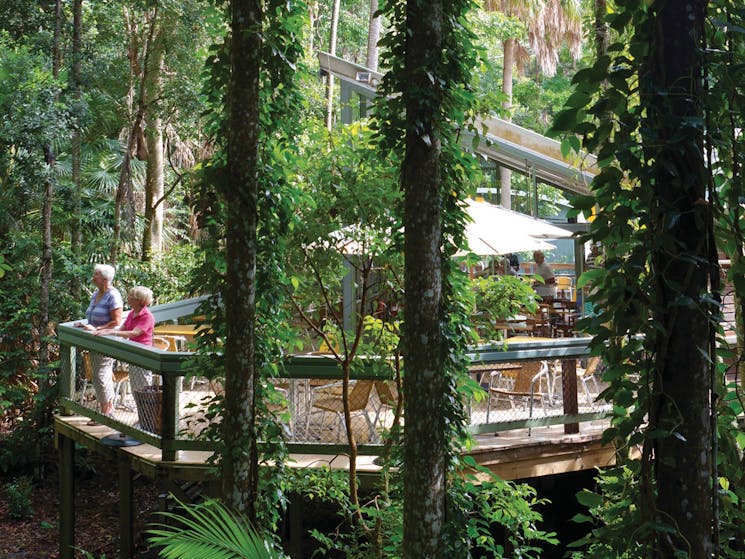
{"points": [[209, 531]]}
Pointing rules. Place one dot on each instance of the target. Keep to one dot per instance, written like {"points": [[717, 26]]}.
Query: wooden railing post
{"points": [[569, 393], [66, 382], [170, 417]]}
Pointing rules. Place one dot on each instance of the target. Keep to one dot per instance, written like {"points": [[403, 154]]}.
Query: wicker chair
{"points": [[324, 399], [526, 385]]}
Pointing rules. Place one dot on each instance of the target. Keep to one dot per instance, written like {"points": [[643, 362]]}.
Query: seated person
{"points": [[547, 289]]}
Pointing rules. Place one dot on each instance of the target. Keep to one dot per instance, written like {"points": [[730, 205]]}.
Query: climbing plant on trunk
{"points": [[658, 295]]}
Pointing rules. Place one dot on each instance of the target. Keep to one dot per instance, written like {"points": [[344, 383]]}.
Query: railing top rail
{"points": [[132, 352], [555, 348]]}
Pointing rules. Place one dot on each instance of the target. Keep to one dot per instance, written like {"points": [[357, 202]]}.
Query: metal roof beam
{"points": [[512, 146]]}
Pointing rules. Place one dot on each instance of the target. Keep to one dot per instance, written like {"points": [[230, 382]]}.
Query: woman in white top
{"points": [[547, 289]]}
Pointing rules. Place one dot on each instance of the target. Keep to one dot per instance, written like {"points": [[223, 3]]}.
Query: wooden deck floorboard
{"points": [[510, 454]]}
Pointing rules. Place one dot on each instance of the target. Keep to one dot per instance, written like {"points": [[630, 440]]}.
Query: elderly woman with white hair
{"points": [[137, 327], [104, 312]]}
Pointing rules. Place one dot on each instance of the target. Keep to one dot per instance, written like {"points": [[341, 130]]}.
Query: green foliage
{"points": [[610, 114], [485, 504], [498, 298], [209, 530], [350, 194], [18, 498], [167, 274], [489, 517], [4, 267]]}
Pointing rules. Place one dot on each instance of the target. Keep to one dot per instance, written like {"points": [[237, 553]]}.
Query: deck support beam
{"points": [[126, 508], [66, 448]]}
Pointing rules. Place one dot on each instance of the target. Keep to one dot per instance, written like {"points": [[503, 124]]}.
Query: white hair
{"points": [[106, 271], [143, 294]]}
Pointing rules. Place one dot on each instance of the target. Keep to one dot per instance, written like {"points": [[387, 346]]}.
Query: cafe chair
{"points": [[164, 343], [564, 287], [586, 377], [85, 357], [388, 397], [325, 400], [121, 381], [527, 385], [540, 323]]}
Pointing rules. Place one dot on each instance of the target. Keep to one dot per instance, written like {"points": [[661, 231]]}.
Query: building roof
{"points": [[512, 146]]}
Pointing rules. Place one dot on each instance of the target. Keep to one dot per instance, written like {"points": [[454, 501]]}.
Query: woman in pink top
{"points": [[137, 327]]}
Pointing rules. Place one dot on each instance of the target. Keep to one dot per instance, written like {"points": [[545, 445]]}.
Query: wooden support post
{"points": [[66, 448], [569, 393], [126, 506], [170, 415]]}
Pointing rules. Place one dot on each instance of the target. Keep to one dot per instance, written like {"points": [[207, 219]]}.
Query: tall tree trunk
{"points": [[124, 206], [373, 36], [425, 451], [152, 236], [240, 462], [46, 213], [330, 77], [600, 27], [683, 460], [75, 77], [313, 18], [505, 175]]}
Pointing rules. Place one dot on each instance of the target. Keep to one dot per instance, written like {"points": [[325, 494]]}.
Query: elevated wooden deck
{"points": [[509, 454]]}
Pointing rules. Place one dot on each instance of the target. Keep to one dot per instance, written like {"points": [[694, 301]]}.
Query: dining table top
{"points": [[186, 330], [524, 339]]}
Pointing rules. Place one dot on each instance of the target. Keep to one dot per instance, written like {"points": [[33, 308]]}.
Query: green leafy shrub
{"points": [[499, 297], [18, 495]]}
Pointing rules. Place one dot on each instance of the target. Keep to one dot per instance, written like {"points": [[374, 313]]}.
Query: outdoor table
{"points": [[523, 339], [188, 331]]}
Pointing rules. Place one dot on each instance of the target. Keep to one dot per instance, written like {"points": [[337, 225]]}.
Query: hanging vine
{"points": [[279, 99], [653, 180]]}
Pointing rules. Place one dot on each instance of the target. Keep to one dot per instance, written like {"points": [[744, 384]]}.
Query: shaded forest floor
{"points": [[96, 514]]}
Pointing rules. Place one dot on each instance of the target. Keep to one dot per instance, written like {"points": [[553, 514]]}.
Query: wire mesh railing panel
{"points": [[522, 384], [532, 389]]}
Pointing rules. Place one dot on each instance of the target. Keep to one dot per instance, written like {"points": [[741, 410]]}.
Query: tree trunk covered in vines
{"points": [[240, 461], [683, 459], [425, 450]]}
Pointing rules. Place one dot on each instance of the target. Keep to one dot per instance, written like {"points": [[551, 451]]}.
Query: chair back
{"points": [[387, 393], [592, 366], [161, 343], [360, 395], [564, 286], [87, 365], [540, 323], [525, 375]]}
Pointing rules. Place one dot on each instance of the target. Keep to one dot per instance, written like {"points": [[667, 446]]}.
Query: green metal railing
{"points": [[171, 368]]}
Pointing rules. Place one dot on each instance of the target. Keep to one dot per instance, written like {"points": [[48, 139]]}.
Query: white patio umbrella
{"points": [[496, 230]]}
